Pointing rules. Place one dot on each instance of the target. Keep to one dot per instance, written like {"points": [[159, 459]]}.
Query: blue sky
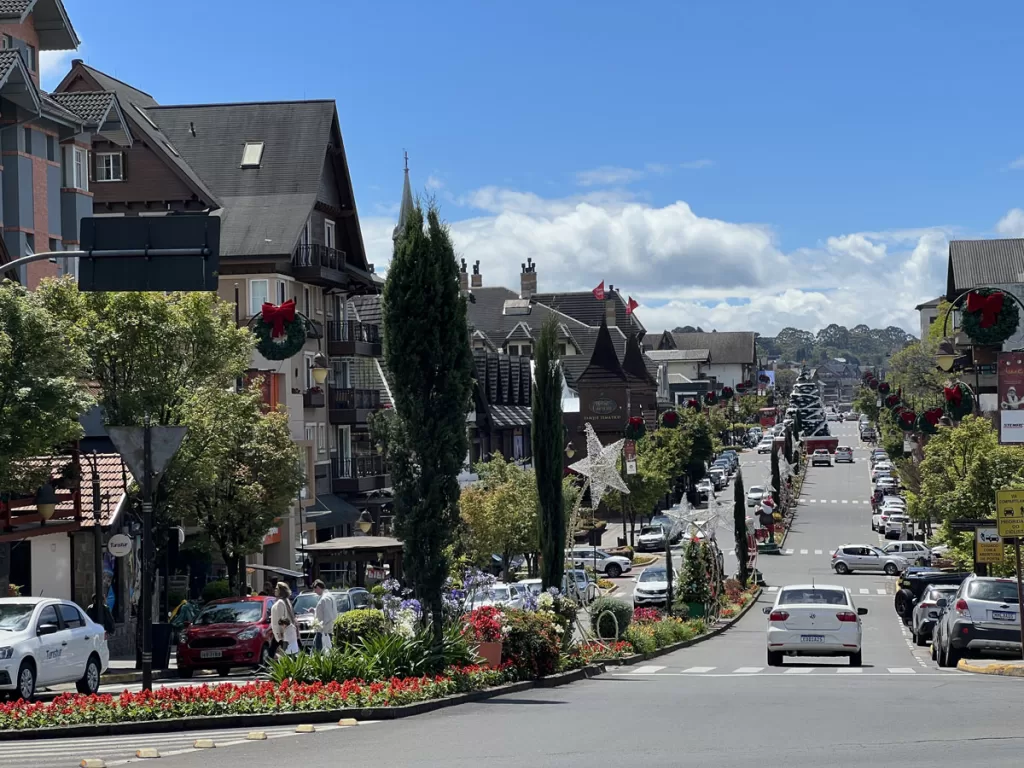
{"points": [[734, 165]]}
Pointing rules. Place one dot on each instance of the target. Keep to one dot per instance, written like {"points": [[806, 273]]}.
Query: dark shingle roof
{"points": [[976, 263], [582, 306], [14, 8], [91, 106], [605, 364], [487, 315], [509, 416], [368, 309], [51, 22], [930, 304], [8, 61], [725, 346]]}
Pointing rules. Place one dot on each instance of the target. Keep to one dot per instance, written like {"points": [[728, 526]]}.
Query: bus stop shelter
{"points": [[359, 551]]}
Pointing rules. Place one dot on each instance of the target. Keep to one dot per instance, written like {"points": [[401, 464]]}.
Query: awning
{"points": [[509, 416], [275, 569], [341, 512]]}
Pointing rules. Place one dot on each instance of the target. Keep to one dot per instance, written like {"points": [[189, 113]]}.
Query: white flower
{"points": [[545, 601], [559, 629]]}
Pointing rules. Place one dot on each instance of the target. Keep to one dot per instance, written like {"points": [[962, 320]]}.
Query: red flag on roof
{"points": [[599, 292], [630, 306]]}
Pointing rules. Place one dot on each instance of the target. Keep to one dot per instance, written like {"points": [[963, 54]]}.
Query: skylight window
{"points": [[145, 117], [171, 149], [252, 155]]}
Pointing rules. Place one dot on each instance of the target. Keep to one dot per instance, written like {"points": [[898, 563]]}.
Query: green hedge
{"points": [[601, 621], [352, 626]]}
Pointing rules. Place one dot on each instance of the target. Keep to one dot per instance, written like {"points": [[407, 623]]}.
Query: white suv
{"points": [[611, 566], [821, 456], [913, 551], [844, 453]]}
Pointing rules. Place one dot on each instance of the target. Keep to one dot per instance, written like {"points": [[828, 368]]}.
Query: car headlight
{"points": [[6, 653], [249, 634]]}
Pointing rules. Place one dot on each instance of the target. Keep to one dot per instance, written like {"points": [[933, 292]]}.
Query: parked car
{"points": [[894, 525], [611, 566], [675, 527], [651, 587], [48, 642], [498, 594], [766, 444], [915, 552], [361, 598], [860, 557], [582, 586], [868, 435], [852, 416], [882, 468], [887, 484], [844, 453], [718, 477], [705, 490], [754, 495], [814, 620], [926, 611], [821, 456], [913, 583], [981, 616], [305, 604], [651, 538], [230, 632], [878, 455]]}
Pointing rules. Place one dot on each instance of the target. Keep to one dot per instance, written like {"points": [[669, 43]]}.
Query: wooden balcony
{"points": [[359, 474], [352, 338], [319, 265], [314, 398], [353, 406]]}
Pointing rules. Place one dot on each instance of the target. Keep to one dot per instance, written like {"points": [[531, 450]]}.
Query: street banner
{"points": [[988, 545], [629, 453], [1010, 513], [1011, 397]]}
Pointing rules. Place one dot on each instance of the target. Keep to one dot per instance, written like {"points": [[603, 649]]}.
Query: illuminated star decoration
{"points": [[599, 467]]}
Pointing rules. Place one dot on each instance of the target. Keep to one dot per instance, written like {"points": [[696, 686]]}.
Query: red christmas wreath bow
{"points": [[277, 316], [932, 415], [989, 306], [635, 421], [953, 395]]}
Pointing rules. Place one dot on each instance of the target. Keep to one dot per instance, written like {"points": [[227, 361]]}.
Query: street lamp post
{"points": [[97, 537]]}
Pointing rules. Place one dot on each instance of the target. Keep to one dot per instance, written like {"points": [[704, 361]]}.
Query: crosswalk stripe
{"points": [[834, 501], [902, 671], [698, 670], [647, 669], [865, 591], [789, 551], [880, 591], [803, 551], [849, 670], [799, 671], [747, 670], [775, 589], [817, 551], [845, 501]]}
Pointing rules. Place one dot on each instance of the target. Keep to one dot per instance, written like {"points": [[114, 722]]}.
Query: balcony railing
{"points": [[316, 255], [353, 331], [360, 466], [355, 399], [313, 398]]}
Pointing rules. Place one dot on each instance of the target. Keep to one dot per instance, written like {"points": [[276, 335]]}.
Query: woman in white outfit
{"points": [[282, 620]]}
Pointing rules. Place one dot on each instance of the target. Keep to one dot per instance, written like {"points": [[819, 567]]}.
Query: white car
{"points": [[45, 642], [877, 523], [652, 537], [611, 566], [651, 587], [914, 551], [814, 620], [860, 557], [754, 495], [844, 453], [882, 468], [765, 446], [499, 594], [821, 456], [894, 524]]}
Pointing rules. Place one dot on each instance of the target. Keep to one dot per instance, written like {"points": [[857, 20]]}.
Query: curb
{"points": [[1002, 670], [713, 632], [215, 722]]}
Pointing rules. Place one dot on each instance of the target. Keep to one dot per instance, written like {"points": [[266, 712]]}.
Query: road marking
{"points": [[803, 551], [834, 501], [865, 591], [775, 589], [879, 591], [697, 670], [845, 501], [799, 671], [849, 670], [789, 551], [648, 669], [747, 670], [817, 551], [902, 671]]}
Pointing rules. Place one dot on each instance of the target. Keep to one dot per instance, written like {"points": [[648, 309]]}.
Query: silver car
{"points": [[926, 611], [860, 557], [981, 616]]}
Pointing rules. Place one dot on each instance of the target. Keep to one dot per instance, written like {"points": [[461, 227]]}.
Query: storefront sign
{"points": [[605, 405], [629, 454], [273, 536], [1011, 397], [989, 547], [119, 545]]}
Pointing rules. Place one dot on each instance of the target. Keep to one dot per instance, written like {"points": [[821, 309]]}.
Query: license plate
{"points": [[812, 638], [1004, 615], [210, 654]]}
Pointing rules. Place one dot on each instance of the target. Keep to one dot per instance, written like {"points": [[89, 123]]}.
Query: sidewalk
{"points": [[1002, 668], [123, 672]]}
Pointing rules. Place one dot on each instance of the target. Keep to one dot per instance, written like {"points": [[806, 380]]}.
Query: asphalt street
{"points": [[715, 704]]}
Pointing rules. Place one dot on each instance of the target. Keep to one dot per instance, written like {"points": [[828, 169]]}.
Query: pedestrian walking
{"points": [[108, 618], [324, 616], [282, 621], [903, 531]]}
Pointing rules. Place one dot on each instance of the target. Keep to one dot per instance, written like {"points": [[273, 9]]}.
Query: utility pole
{"points": [[147, 558]]}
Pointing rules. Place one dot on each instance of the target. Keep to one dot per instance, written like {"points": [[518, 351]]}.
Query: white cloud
{"points": [[53, 65], [608, 174], [693, 165], [856, 246], [1012, 224], [1017, 164], [433, 183]]}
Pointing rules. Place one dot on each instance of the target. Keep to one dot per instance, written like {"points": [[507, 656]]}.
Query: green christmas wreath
{"points": [[635, 428], [990, 317], [959, 400], [280, 331]]}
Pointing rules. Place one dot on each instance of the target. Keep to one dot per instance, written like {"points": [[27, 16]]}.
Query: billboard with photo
{"points": [[1011, 397]]}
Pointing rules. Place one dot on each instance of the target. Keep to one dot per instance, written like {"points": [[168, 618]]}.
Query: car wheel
{"points": [[26, 681], [90, 682], [186, 672], [613, 571], [891, 569], [774, 658], [920, 639], [953, 656], [856, 660], [842, 568], [934, 656], [264, 656], [940, 656]]}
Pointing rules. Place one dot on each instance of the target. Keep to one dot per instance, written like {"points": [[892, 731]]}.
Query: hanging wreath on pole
{"points": [[873, 383], [280, 331], [989, 316], [635, 428], [928, 422], [711, 398], [741, 388], [693, 403], [883, 388], [670, 419], [907, 420], [959, 400], [727, 394], [892, 402]]}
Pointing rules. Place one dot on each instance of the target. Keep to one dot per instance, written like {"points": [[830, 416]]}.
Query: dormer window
{"points": [[252, 154]]}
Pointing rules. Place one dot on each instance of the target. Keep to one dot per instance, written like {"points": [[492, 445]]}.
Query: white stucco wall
{"points": [[51, 566], [727, 374]]}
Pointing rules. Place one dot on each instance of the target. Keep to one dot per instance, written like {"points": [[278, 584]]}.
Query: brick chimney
{"points": [[478, 279], [610, 300], [528, 280], [463, 277]]}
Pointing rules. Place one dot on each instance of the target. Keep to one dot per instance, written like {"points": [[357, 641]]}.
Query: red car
{"points": [[231, 632]]}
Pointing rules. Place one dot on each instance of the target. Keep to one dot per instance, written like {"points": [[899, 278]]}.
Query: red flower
{"points": [[484, 624]]}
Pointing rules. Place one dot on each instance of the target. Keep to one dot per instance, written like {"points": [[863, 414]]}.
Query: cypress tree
{"points": [[426, 346], [776, 479], [548, 434], [739, 521]]}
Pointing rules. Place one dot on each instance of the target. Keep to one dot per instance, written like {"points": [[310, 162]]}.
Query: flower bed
{"points": [[252, 698]]}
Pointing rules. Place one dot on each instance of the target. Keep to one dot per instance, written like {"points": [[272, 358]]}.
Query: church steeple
{"points": [[407, 203]]}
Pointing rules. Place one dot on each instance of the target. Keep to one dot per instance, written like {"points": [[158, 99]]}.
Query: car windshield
{"points": [[230, 613], [14, 617], [496, 594], [306, 603], [654, 574], [842, 448], [812, 595], [995, 591], [936, 593], [651, 529], [755, 489]]}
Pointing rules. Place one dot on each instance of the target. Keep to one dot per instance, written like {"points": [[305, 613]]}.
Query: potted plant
{"points": [[485, 626]]}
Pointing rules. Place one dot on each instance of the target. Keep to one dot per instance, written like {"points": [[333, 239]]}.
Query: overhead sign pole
{"points": [[1010, 522]]}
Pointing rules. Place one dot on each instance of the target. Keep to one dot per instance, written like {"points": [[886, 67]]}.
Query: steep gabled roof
{"points": [[96, 110], [582, 306], [976, 263], [604, 365], [51, 22], [633, 363], [14, 73], [487, 314], [725, 346]]}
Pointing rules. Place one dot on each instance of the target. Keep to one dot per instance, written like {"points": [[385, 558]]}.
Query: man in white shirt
{"points": [[324, 615]]}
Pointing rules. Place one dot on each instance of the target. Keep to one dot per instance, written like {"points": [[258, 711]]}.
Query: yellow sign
{"points": [[989, 546], [1010, 514]]}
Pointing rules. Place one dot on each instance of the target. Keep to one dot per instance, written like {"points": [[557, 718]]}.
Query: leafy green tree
{"points": [[500, 512], [914, 371], [701, 449], [426, 347], [41, 397], [655, 463], [548, 434], [785, 378], [749, 405], [866, 403], [237, 472], [739, 523]]}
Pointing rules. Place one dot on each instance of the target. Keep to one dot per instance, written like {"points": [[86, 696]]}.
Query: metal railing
{"points": [[339, 330], [360, 466], [351, 399], [316, 255]]}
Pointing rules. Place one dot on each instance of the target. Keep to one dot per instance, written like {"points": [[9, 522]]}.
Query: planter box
{"points": [[490, 653], [695, 610]]}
